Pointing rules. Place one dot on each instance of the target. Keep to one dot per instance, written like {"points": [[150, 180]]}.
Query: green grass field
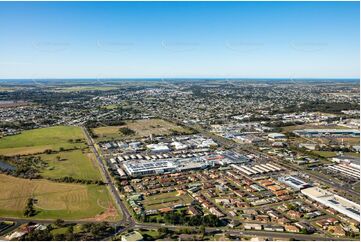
{"points": [[55, 200], [73, 163], [357, 155], [38, 140], [330, 154], [326, 154], [79, 163], [142, 128], [310, 126], [63, 230], [153, 233]]}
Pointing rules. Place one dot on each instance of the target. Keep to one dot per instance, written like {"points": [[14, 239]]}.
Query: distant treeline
{"points": [[95, 123], [320, 106]]}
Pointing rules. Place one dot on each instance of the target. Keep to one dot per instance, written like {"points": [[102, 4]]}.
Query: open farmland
{"points": [[55, 200], [142, 128], [76, 163], [166, 200], [38, 140]]}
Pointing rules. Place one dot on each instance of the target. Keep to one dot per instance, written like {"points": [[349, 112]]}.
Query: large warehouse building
{"points": [[137, 168], [148, 168], [340, 204], [327, 132], [294, 182]]}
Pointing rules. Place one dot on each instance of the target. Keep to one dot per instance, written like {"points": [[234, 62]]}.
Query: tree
{"points": [[29, 209], [101, 229], [163, 231], [126, 131], [86, 226], [202, 230], [49, 227], [59, 237], [69, 236], [70, 229], [59, 222], [48, 151], [38, 235]]}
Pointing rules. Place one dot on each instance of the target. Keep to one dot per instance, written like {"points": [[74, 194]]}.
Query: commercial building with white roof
{"points": [[328, 132], [276, 136], [338, 203], [148, 168], [155, 148], [294, 182]]}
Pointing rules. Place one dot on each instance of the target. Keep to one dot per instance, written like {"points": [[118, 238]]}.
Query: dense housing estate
{"points": [[336, 202], [227, 159]]}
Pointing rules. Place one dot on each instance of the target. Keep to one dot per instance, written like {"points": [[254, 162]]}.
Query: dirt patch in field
{"points": [[108, 215]]}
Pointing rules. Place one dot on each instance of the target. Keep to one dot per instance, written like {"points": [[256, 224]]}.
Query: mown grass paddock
{"points": [[78, 162], [38, 140], [68, 201], [55, 200], [75, 163]]}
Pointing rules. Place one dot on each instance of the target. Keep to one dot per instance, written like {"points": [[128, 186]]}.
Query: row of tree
{"points": [[88, 231], [69, 179], [181, 218]]}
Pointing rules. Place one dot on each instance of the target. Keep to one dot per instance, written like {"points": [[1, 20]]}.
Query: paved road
{"points": [[45, 221], [237, 147], [128, 222], [208, 230], [281, 235], [127, 219], [331, 183]]}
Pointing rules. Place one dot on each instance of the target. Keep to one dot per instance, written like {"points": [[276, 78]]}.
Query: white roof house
{"points": [[276, 136]]}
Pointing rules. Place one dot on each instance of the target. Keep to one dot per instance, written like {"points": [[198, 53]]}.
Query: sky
{"points": [[179, 39]]}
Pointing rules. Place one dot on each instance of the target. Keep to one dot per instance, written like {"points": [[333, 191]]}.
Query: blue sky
{"points": [[179, 39]]}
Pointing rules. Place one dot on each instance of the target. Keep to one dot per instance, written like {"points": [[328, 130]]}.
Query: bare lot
{"points": [[164, 200], [55, 200], [142, 128]]}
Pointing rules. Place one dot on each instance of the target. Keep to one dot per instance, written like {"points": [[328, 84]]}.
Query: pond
{"points": [[6, 166]]}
